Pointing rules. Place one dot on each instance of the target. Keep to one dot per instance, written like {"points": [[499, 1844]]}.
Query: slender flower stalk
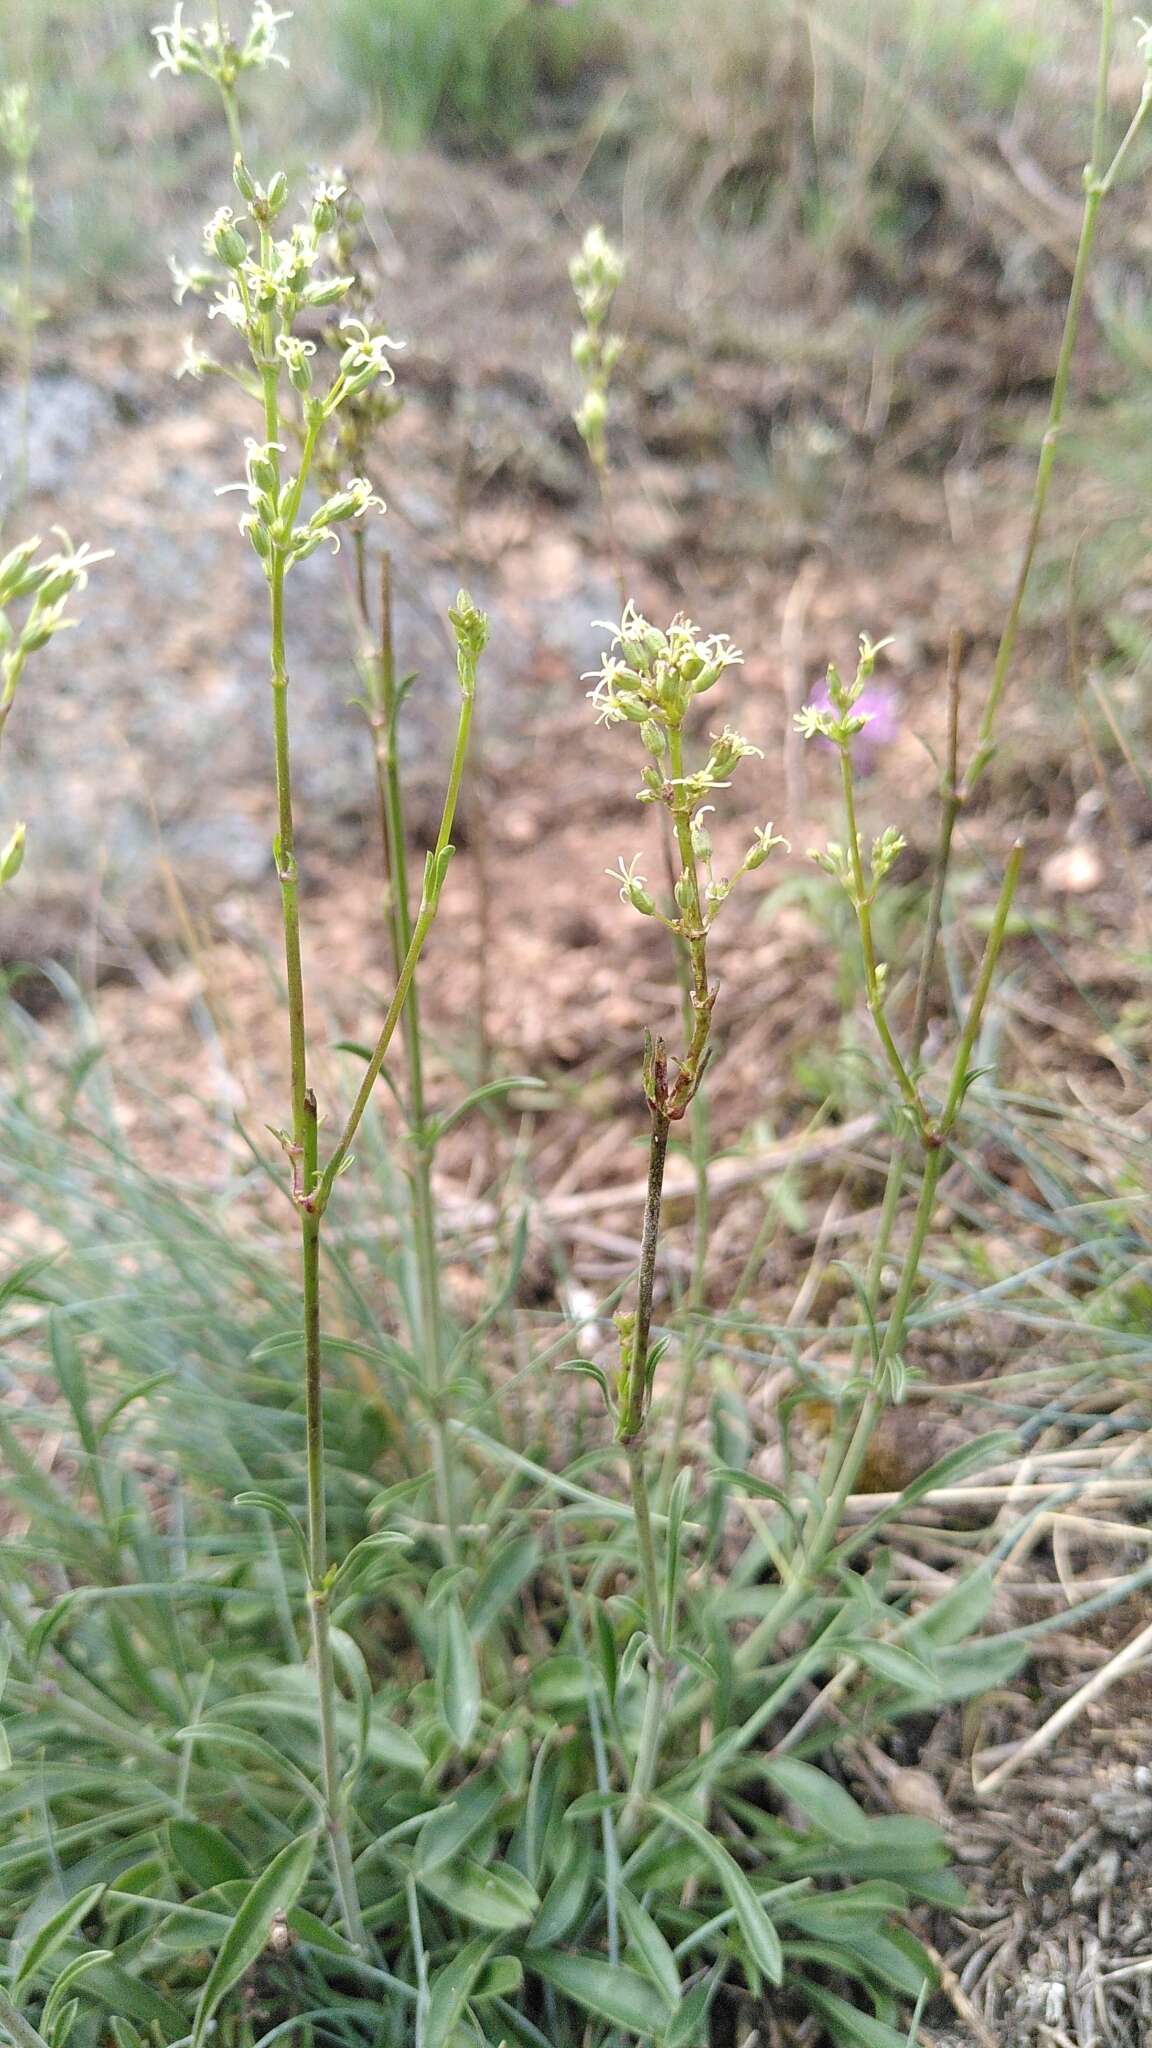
{"points": [[956, 785], [210, 52], [840, 720], [261, 281], [35, 590], [597, 271], [381, 706], [651, 680]]}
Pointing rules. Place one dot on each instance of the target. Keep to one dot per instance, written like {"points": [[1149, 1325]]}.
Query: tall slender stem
{"points": [[659, 1625], [381, 680], [423, 925], [303, 1150], [1098, 183]]}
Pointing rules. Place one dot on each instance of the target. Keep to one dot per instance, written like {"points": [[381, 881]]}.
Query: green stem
{"points": [[382, 713], [334, 1796], [818, 1544], [420, 930], [862, 903], [634, 1406], [304, 1155], [659, 1669], [232, 116], [949, 812], [1097, 185]]}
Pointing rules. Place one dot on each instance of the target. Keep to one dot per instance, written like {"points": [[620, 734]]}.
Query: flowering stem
{"points": [[1098, 183], [660, 1670], [304, 1156], [949, 812], [633, 1413], [420, 930], [862, 904], [382, 712], [232, 116], [692, 956], [820, 1540]]}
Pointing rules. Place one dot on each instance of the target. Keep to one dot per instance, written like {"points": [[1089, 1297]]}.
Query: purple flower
{"points": [[878, 704]]}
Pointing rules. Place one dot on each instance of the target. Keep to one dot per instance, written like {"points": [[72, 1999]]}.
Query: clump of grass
{"points": [[472, 71]]}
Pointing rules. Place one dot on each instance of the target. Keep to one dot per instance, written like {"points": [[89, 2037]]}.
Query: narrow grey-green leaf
{"points": [[54, 1931], [618, 1995], [896, 1666], [450, 1990], [834, 1810], [489, 1895], [846, 2024], [649, 1946], [274, 1891], [673, 1537], [499, 1583], [58, 1996], [760, 1936], [450, 1829], [270, 1504], [457, 1676], [204, 1854], [960, 1611], [564, 1900], [20, 2031]]}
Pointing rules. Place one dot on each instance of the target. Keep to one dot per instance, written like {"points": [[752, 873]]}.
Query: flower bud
{"points": [[277, 194], [258, 534], [470, 625], [223, 236], [243, 180], [12, 855], [57, 584], [263, 473], [654, 737], [326, 291], [17, 575], [592, 416]]}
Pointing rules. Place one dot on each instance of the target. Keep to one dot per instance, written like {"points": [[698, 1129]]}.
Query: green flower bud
{"points": [[326, 291], [259, 536], [12, 855], [277, 194], [243, 180], [592, 416], [17, 576], [470, 625], [223, 236]]}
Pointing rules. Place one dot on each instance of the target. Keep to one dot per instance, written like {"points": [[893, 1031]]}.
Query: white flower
{"points": [[365, 357], [197, 280], [210, 51], [194, 362], [260, 44], [231, 306]]}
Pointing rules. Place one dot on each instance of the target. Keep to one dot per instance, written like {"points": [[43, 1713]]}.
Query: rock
{"points": [[1074, 870]]}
